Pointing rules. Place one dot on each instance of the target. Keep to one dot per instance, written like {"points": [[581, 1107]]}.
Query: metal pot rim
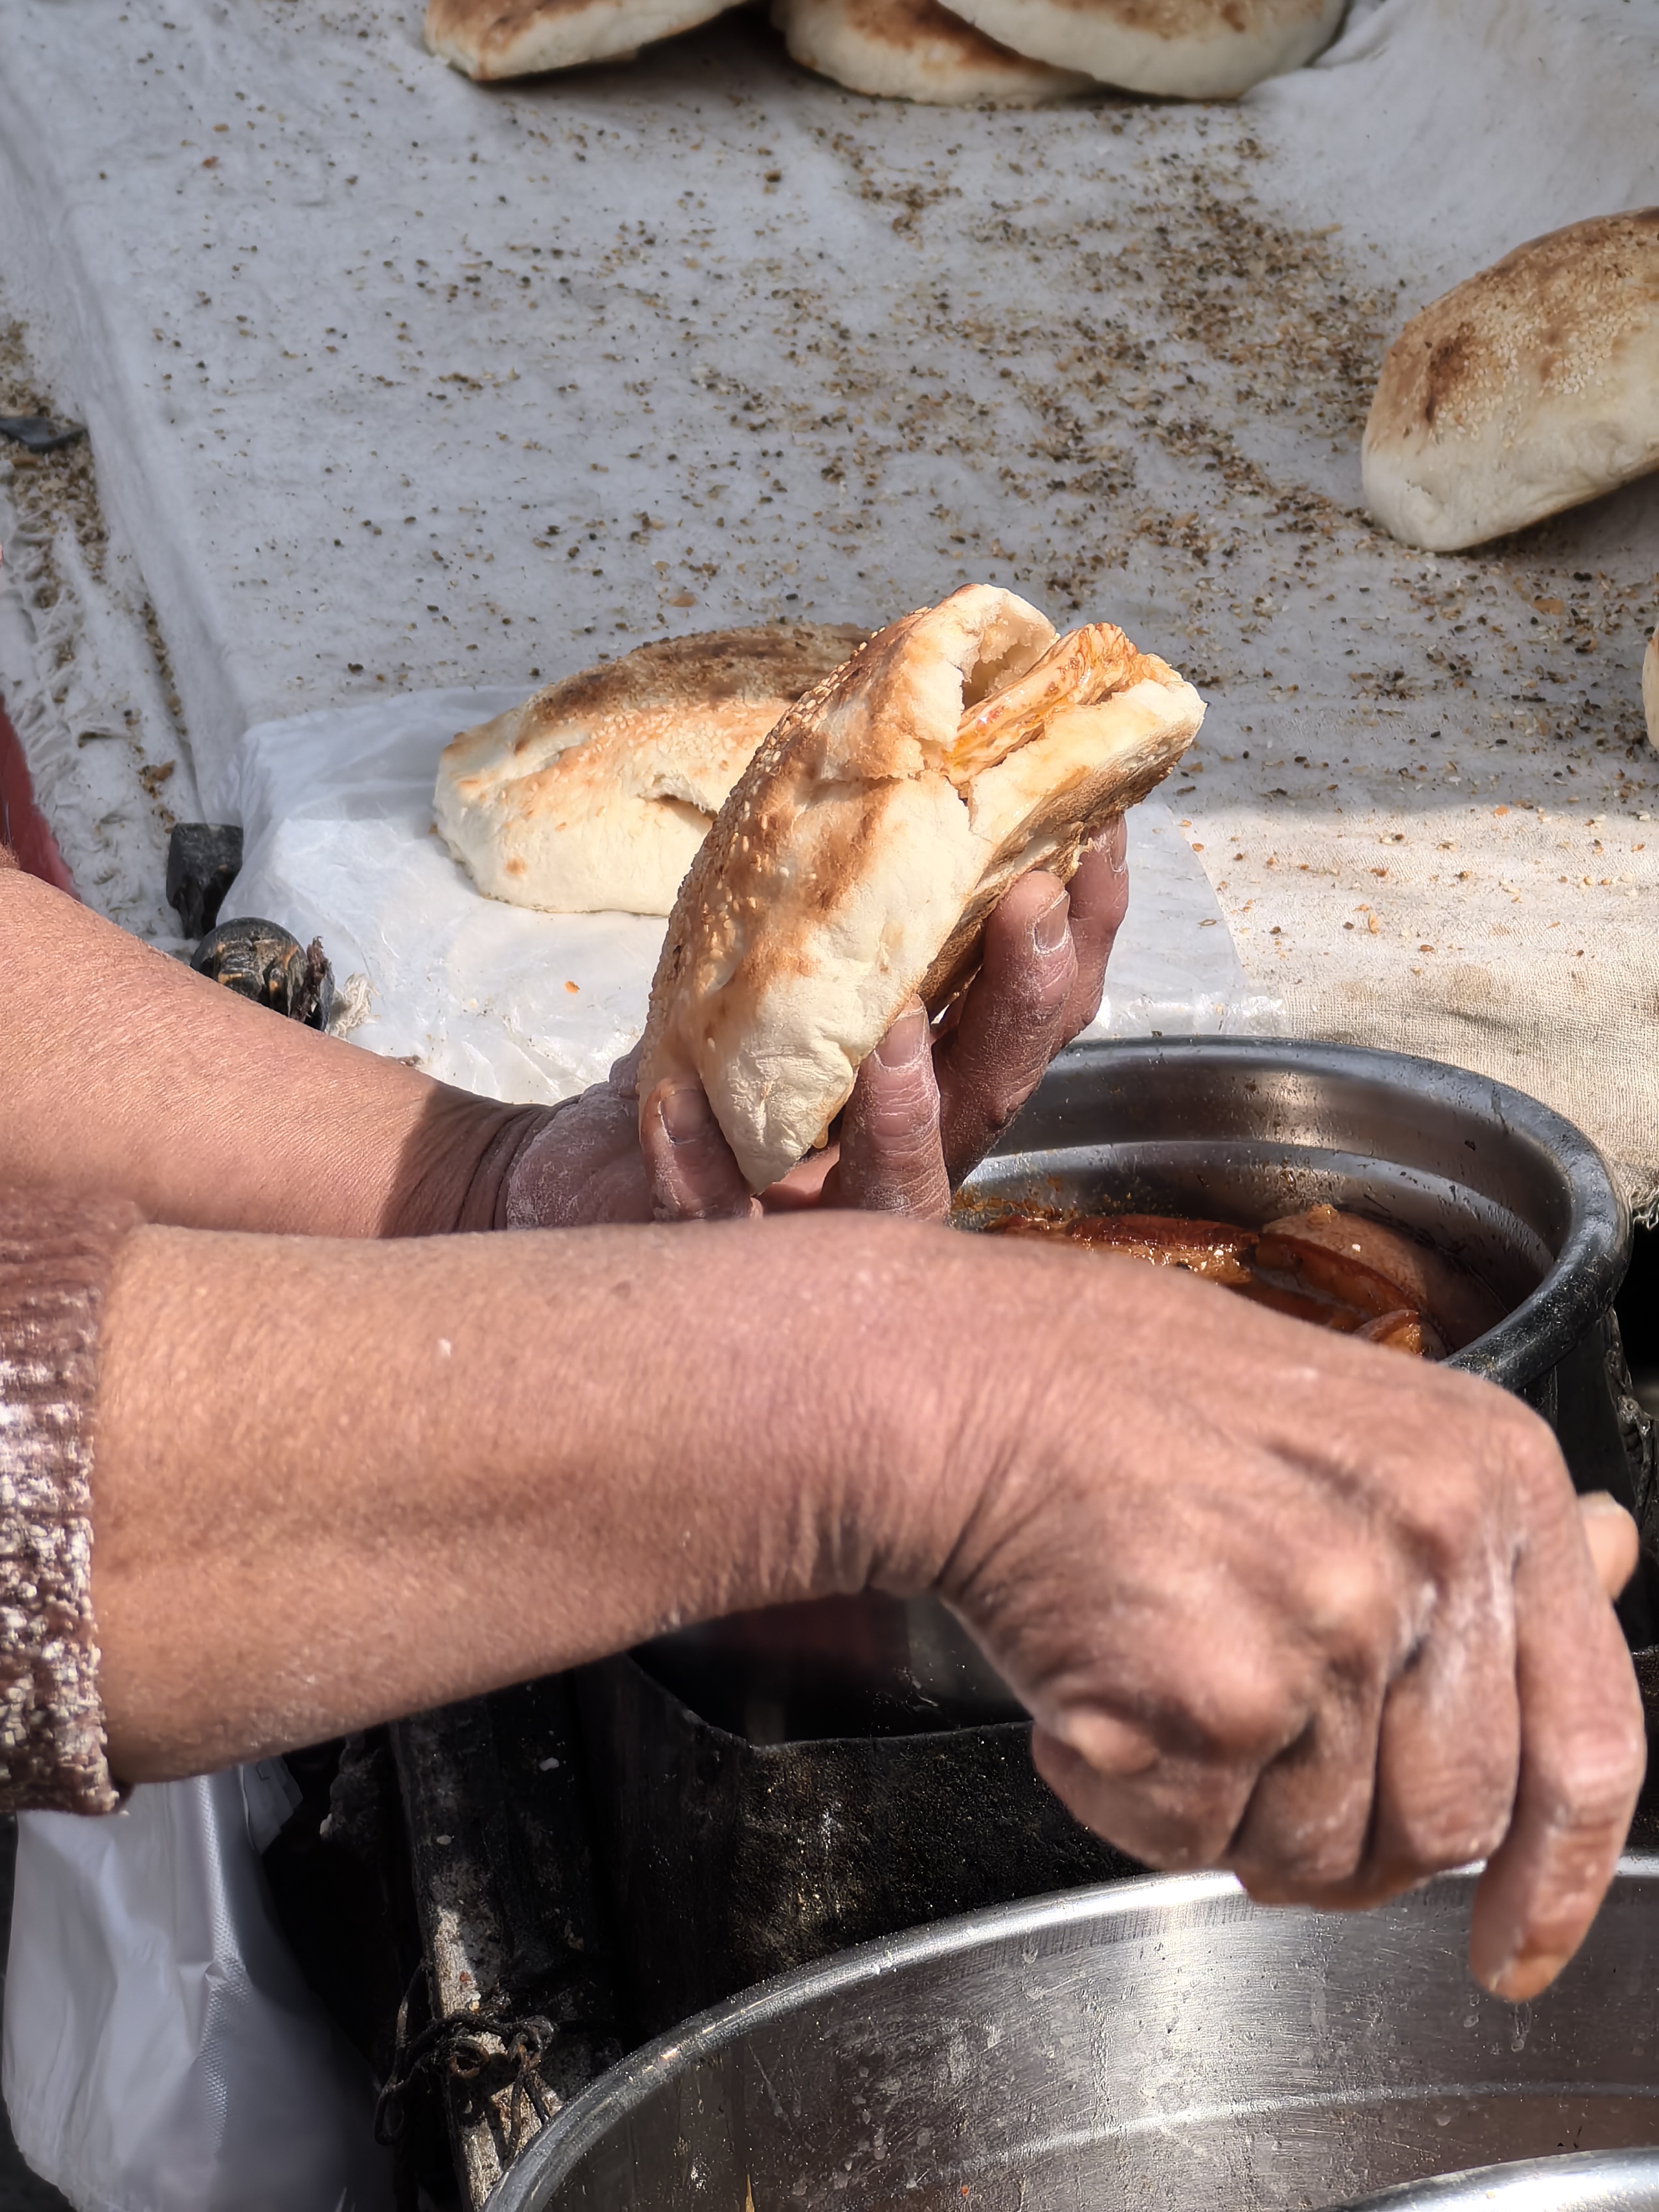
{"points": [[608, 2101], [1596, 1251], [1571, 2181]]}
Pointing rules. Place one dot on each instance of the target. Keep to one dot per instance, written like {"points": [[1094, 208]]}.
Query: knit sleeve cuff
{"points": [[56, 1255]]}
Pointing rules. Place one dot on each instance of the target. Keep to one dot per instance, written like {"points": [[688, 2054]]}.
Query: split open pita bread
{"points": [[1529, 388], [595, 794], [1182, 49], [915, 49], [490, 38], [858, 856]]}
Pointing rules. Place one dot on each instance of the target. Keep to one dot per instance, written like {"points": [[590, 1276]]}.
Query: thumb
{"points": [[692, 1173]]}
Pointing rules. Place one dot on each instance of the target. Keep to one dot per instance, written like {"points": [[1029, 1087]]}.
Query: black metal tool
{"points": [[203, 860], [38, 434]]}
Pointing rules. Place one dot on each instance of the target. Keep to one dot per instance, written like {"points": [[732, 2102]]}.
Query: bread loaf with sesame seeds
{"points": [[597, 792], [1529, 388], [858, 856], [487, 40]]}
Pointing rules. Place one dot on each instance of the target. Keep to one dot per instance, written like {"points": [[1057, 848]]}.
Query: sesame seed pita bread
{"points": [[1650, 688], [857, 858], [490, 38], [1182, 49], [1530, 387], [915, 49], [595, 794]]}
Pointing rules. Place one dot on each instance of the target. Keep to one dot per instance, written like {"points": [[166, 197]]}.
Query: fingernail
{"points": [[1524, 1978], [1048, 930], [906, 1042], [1117, 846], [686, 1113]]}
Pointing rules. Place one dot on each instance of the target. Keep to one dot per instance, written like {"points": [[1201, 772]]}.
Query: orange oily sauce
{"points": [[1335, 1270]]}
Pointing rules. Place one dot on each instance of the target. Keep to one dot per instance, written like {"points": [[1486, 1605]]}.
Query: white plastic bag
{"points": [[162, 2052]]}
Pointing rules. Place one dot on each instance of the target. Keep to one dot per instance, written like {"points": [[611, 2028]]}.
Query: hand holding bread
{"points": [[856, 860], [919, 1118]]}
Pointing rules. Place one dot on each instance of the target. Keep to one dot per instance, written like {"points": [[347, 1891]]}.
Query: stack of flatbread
{"points": [[985, 53]]}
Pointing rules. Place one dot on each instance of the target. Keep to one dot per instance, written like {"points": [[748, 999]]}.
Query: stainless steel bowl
{"points": [[1163, 2045]]}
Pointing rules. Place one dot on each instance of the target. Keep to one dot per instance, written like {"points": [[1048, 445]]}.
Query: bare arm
{"points": [[1276, 1600], [122, 1073]]}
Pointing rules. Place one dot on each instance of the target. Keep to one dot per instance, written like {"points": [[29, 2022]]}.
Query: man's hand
{"points": [[1358, 1627], [918, 1121]]}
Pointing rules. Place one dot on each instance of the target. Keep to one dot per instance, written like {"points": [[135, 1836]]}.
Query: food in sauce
{"points": [[1333, 1268]]}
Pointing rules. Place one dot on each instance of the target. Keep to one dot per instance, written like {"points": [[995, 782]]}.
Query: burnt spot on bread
{"points": [[1191, 21], [1447, 364]]}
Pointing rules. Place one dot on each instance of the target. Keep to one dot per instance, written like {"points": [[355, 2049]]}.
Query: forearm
{"points": [[123, 1074], [335, 1482]]}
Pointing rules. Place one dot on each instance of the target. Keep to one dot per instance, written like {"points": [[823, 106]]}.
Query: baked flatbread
{"points": [[1531, 387], [1650, 688], [915, 49], [490, 38], [1184, 49], [858, 856], [596, 794]]}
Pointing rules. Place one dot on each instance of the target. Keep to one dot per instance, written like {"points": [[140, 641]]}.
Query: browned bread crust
{"points": [[858, 856], [1530, 387]]}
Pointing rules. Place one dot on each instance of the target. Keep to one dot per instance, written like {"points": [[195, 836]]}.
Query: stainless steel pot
{"points": [[1163, 2045], [1246, 1128]]}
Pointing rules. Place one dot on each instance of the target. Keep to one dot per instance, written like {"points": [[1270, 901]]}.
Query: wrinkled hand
{"points": [[918, 1119], [1292, 1605]]}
